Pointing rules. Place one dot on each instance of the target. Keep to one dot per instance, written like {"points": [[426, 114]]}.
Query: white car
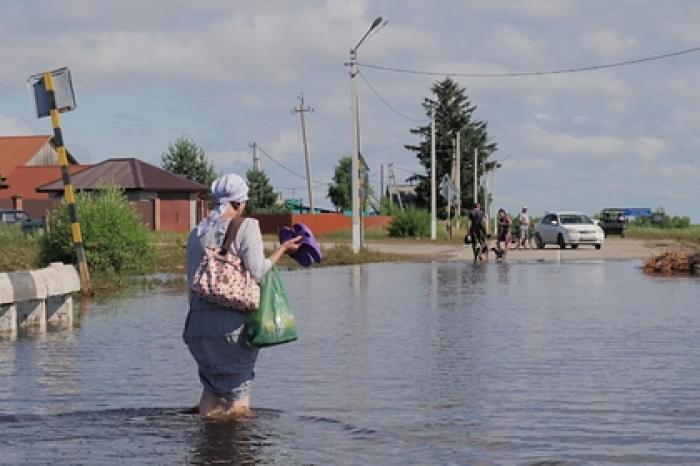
{"points": [[568, 228]]}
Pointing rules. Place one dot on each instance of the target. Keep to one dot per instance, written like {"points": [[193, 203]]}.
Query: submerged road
{"points": [[613, 249]]}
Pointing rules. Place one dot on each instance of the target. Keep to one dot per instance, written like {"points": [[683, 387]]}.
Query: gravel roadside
{"points": [[613, 249]]}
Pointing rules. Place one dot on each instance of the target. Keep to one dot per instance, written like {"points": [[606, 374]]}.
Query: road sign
{"points": [[448, 190], [64, 97]]}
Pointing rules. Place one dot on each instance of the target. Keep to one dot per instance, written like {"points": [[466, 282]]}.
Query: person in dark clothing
{"points": [[504, 224], [477, 231]]}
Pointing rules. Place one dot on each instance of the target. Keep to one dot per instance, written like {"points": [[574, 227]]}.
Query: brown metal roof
{"points": [[128, 174], [24, 180]]}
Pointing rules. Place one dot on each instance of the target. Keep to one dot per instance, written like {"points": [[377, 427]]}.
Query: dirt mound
{"points": [[674, 263]]}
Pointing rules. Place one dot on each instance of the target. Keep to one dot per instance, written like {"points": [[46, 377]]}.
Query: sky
{"points": [[229, 73]]}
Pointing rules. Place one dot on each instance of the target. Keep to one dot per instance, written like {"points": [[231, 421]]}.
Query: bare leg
{"points": [[208, 403], [213, 406]]}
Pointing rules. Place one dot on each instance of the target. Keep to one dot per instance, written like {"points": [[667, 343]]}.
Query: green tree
{"points": [[454, 112], [261, 195], [184, 157], [339, 191]]}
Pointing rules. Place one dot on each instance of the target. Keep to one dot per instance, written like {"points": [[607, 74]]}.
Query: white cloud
{"points": [[569, 144], [608, 44], [515, 41], [12, 126], [649, 148], [231, 160]]}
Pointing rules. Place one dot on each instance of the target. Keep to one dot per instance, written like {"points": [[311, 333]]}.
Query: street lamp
{"points": [[354, 180]]}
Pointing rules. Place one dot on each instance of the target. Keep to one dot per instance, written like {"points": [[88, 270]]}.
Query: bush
{"points": [[386, 207], [115, 239], [661, 220], [411, 222]]}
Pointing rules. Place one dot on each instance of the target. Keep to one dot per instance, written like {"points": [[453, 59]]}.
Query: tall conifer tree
{"points": [[454, 113]]}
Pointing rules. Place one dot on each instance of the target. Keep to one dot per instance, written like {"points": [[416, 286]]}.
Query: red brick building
{"points": [[166, 202]]}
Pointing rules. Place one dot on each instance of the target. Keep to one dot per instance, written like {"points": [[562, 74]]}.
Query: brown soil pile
{"points": [[674, 263]]}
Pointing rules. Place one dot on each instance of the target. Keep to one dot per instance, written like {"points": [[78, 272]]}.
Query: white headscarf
{"points": [[224, 189]]}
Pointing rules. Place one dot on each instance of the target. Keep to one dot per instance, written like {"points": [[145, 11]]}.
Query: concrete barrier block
{"points": [[27, 285], [59, 309], [31, 313], [60, 279], [8, 319], [7, 291]]}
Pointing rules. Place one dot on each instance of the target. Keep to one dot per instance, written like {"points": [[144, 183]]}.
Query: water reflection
{"points": [[226, 442], [440, 363]]}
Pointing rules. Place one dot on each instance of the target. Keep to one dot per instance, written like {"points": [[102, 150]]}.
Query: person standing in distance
{"points": [[477, 230], [504, 224], [524, 220]]}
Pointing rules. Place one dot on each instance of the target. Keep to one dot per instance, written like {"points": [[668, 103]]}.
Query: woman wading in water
{"points": [[216, 336]]}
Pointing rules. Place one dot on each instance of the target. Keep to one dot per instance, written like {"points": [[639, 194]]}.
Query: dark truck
{"points": [[21, 218], [613, 221]]}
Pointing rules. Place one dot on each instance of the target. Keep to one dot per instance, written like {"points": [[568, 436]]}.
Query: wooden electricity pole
{"points": [[301, 109]]}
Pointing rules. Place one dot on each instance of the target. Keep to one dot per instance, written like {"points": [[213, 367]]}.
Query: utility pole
{"points": [[381, 182], [433, 194], [354, 102], [458, 176], [257, 166], [301, 110], [476, 169]]}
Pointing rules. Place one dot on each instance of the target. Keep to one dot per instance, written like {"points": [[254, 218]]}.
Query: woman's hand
{"points": [[292, 245]]}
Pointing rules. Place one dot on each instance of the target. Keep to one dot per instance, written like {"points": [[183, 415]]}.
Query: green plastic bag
{"points": [[273, 323]]}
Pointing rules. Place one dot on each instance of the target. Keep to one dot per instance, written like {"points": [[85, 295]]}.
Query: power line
{"points": [[86, 113], [385, 102], [517, 74], [287, 168]]}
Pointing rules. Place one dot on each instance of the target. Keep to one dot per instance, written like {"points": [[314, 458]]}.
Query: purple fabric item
{"points": [[309, 251]]}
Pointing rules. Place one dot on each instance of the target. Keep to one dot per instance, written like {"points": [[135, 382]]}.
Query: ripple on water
{"points": [[523, 364]]}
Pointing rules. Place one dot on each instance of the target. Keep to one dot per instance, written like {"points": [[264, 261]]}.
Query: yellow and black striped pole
{"points": [[69, 193]]}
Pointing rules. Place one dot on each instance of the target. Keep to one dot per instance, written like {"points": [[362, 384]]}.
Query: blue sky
{"points": [[227, 73]]}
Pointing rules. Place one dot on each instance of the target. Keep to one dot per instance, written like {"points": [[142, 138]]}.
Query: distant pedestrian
{"points": [[524, 220], [477, 231], [504, 224]]}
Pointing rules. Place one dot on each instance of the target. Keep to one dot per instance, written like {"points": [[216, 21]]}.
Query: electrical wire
{"points": [[385, 102], [517, 74], [318, 183]]}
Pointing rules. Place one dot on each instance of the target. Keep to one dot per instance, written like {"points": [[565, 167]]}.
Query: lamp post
{"points": [[433, 195], [354, 180]]}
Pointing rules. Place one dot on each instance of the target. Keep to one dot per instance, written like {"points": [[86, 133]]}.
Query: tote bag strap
{"points": [[231, 232]]}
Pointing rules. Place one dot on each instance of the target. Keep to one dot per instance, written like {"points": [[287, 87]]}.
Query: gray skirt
{"points": [[216, 338]]}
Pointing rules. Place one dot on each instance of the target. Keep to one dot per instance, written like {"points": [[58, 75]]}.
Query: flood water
{"points": [[442, 363]]}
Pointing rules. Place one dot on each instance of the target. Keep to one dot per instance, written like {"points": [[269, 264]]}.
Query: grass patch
{"points": [[169, 252], [19, 251], [346, 235], [342, 254], [688, 236], [382, 235]]}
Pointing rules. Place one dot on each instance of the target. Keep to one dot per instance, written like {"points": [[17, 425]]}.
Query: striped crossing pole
{"points": [[68, 190]]}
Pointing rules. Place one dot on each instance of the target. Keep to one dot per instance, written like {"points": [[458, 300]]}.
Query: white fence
{"points": [[36, 298]]}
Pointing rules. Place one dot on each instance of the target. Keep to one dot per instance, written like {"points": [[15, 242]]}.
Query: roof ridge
{"points": [[135, 163], [27, 136]]}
